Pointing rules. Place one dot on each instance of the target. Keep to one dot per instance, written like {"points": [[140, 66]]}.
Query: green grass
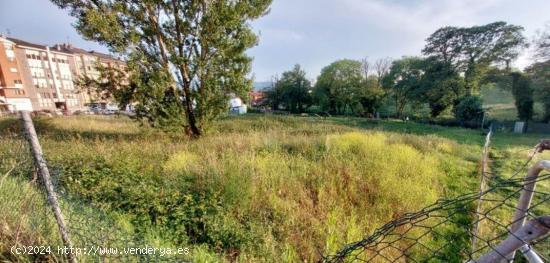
{"points": [[255, 188], [500, 105]]}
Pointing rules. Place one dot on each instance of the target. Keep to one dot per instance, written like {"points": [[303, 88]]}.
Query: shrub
{"points": [[523, 96], [469, 109]]}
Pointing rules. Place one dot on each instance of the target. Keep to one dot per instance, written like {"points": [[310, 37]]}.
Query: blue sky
{"points": [[315, 33]]}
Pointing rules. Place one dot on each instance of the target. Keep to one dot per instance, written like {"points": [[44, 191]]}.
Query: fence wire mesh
{"points": [[443, 232], [27, 219]]}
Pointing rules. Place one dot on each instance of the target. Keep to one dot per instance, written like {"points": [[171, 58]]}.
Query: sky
{"points": [[314, 33]]}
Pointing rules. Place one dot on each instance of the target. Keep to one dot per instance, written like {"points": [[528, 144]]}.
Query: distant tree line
{"points": [[457, 63]]}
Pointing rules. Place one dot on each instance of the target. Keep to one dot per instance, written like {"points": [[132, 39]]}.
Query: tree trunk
{"points": [[401, 109], [194, 130], [398, 108]]}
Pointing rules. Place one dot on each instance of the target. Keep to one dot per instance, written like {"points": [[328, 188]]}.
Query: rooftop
{"points": [[25, 43], [75, 50], [65, 48]]}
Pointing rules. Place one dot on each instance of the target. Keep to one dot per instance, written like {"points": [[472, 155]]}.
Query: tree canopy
{"points": [[345, 87], [292, 90], [184, 57], [441, 86], [539, 73], [471, 49], [542, 44], [404, 81]]}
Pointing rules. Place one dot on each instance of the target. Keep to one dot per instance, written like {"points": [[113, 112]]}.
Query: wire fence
{"points": [[27, 220], [441, 232]]}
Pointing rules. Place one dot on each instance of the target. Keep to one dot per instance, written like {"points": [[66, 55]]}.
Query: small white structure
{"points": [[236, 106], [519, 127], [112, 107]]}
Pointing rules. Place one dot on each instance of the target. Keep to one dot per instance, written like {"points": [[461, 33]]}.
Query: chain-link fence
{"points": [[443, 231], [27, 222]]}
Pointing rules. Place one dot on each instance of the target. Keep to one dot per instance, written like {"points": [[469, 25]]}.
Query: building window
{"points": [[18, 81], [19, 92], [14, 70]]}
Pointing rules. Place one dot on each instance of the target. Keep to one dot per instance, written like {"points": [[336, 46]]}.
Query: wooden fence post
{"points": [[40, 164]]}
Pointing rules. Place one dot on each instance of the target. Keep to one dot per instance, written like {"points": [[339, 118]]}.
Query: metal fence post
{"points": [[525, 199], [40, 164], [534, 229], [482, 185]]}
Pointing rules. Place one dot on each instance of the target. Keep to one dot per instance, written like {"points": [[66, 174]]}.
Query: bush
{"points": [[469, 109], [523, 96]]}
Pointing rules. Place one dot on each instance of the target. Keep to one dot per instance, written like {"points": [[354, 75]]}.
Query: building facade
{"points": [[38, 77], [13, 94]]}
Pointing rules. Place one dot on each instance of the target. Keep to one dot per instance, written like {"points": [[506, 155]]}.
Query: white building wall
{"points": [[17, 104]]}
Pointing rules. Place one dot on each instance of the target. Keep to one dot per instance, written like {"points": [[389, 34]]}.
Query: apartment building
{"points": [[13, 93], [39, 77]]}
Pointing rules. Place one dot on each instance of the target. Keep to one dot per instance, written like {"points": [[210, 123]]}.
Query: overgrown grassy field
{"points": [[254, 189]]}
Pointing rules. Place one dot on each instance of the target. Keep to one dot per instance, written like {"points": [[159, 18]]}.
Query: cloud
{"points": [[419, 18], [314, 33]]}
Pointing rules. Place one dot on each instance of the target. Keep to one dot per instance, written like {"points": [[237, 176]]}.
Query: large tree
{"points": [[185, 57], [430, 80], [382, 68], [470, 50], [542, 44], [404, 81], [523, 95], [293, 90], [539, 72], [338, 86], [441, 86], [371, 94], [345, 87], [540, 76]]}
